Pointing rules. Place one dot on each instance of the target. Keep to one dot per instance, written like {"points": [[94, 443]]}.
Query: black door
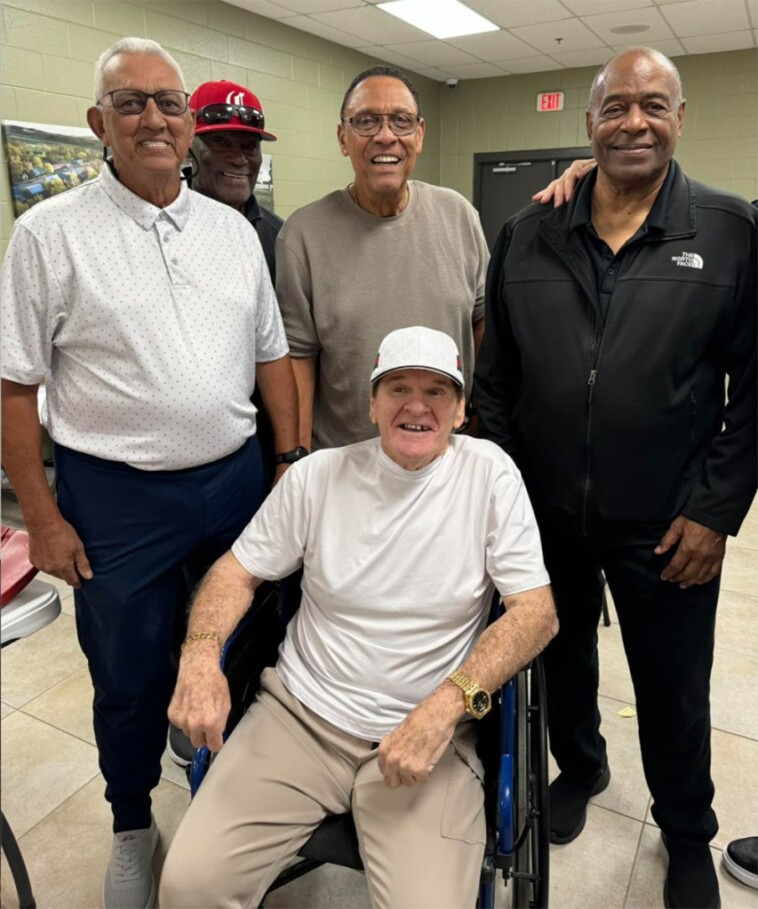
{"points": [[504, 182]]}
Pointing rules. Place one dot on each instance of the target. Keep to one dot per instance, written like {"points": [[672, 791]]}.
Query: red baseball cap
{"points": [[226, 105]]}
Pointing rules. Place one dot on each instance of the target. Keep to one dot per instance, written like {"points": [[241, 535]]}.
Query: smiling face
{"points": [[636, 120], [382, 163], [148, 148], [416, 411], [228, 162]]}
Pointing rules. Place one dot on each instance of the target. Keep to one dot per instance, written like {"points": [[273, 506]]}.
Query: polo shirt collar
{"points": [[657, 218], [138, 209]]}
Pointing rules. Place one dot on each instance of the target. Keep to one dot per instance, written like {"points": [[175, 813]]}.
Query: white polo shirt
{"points": [[399, 571], [145, 323]]}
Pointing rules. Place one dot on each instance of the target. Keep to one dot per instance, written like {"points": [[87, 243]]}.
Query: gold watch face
{"points": [[480, 703]]}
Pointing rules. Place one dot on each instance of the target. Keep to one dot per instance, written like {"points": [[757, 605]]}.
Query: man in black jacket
{"points": [[611, 326]]}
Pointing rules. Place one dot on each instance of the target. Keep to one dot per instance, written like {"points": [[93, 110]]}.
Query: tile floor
{"points": [[52, 789]]}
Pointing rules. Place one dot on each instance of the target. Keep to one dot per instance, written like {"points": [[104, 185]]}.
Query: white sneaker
{"points": [[129, 880]]}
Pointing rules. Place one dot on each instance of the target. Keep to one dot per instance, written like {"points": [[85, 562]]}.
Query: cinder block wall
{"points": [[719, 143], [49, 48]]}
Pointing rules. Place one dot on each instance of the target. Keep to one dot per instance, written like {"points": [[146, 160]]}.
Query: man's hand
{"points": [[561, 189], [409, 754], [55, 548], [201, 703], [699, 552]]}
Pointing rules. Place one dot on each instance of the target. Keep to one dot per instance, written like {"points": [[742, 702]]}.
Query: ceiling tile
{"points": [[311, 7], [492, 46], [373, 25], [656, 25], [752, 8], [513, 13], [671, 47], [435, 53], [706, 17], [531, 65], [431, 73], [590, 57], [706, 44], [474, 71], [390, 55], [307, 24], [595, 7], [573, 34], [265, 8]]}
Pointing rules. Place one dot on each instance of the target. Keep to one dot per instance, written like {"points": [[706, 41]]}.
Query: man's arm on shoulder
{"points": [[200, 705], [410, 752], [54, 545], [276, 381]]}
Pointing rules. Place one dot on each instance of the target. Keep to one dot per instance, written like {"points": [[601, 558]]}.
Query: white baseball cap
{"points": [[418, 348]]}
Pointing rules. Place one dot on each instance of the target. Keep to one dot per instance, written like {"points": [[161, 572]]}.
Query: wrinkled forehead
{"points": [[637, 75], [381, 94]]}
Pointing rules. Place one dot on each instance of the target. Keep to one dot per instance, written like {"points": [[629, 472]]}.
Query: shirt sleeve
{"points": [[294, 290], [31, 310], [273, 543], [482, 259], [514, 550]]}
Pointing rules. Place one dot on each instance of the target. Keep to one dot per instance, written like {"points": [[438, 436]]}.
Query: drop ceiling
{"points": [[534, 36]]}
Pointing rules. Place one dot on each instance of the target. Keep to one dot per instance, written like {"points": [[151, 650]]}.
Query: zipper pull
{"points": [[593, 375]]}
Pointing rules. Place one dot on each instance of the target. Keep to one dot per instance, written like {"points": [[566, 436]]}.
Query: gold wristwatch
{"points": [[478, 701]]}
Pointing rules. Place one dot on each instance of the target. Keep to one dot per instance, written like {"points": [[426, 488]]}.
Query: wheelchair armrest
{"points": [[505, 794]]}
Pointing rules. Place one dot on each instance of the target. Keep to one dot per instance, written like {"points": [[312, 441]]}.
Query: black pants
{"points": [[668, 636], [149, 537]]}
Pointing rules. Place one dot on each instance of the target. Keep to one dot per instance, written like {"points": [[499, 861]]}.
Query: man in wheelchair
{"points": [[386, 666]]}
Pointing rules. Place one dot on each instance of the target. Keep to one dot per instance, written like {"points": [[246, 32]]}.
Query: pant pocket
{"points": [[463, 812]]}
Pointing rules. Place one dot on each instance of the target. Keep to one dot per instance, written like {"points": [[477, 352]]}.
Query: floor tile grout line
{"points": [[49, 688], [47, 723], [634, 860]]}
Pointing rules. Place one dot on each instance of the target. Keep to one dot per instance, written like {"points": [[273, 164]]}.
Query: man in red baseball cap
{"points": [[229, 127]]}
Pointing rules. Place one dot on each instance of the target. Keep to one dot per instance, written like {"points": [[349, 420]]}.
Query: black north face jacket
{"points": [[623, 422]]}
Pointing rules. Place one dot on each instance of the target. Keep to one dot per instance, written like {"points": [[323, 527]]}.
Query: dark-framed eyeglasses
{"points": [[213, 114], [368, 124], [170, 102]]}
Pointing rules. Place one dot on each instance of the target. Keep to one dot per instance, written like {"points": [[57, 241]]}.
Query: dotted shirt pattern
{"points": [[145, 323]]}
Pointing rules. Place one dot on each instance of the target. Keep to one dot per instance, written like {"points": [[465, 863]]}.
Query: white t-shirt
{"points": [[145, 323], [399, 571]]}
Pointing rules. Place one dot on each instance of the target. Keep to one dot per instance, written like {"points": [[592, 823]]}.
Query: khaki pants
{"points": [[277, 777]]}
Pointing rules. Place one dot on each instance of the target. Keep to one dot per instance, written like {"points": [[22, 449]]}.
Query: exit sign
{"points": [[550, 101]]}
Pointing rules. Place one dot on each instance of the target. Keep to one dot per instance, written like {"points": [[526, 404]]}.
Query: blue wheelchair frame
{"points": [[516, 806]]}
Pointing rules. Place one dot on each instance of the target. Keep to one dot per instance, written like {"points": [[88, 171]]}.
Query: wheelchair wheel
{"points": [[530, 870]]}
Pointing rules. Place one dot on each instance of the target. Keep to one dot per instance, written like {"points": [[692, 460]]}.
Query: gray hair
{"points": [[642, 51], [131, 46]]}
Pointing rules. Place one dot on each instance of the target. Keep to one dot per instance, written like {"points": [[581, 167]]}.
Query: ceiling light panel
{"points": [[440, 18]]}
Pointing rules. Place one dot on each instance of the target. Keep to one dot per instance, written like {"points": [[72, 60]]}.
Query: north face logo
{"points": [[688, 260]]}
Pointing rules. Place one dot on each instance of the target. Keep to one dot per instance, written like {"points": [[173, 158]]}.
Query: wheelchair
{"points": [[513, 748]]}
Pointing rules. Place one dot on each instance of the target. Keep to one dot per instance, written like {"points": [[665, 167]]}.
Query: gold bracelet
{"points": [[203, 636]]}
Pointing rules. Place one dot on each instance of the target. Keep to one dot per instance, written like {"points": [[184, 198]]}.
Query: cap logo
{"points": [[236, 98]]}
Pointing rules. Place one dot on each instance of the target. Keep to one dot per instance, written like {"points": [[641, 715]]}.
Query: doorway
{"points": [[504, 182]]}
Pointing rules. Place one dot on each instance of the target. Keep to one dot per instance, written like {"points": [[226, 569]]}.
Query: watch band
{"points": [[289, 457]]}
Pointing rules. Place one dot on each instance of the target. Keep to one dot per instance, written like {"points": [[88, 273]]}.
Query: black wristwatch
{"points": [[289, 457]]}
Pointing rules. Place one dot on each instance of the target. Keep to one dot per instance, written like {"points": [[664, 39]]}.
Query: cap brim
{"points": [[375, 376], [201, 128]]}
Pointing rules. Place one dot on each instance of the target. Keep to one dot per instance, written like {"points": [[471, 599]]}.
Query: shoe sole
{"points": [[600, 786], [745, 877]]}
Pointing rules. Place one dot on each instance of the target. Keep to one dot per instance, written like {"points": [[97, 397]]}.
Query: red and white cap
{"points": [[418, 348], [224, 92]]}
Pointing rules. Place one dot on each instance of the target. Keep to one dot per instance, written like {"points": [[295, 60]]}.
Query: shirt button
{"points": [[610, 271], [175, 261], [166, 238]]}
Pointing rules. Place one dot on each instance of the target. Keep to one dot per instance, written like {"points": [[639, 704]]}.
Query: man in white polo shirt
{"points": [[387, 665], [149, 312]]}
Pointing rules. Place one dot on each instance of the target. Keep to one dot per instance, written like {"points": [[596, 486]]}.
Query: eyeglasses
{"points": [[212, 114], [371, 124], [127, 101]]}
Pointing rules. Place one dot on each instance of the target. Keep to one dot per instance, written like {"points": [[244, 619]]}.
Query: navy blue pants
{"points": [[149, 537], [668, 636]]}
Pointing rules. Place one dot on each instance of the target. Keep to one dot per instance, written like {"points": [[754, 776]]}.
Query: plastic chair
{"points": [[513, 747], [28, 605]]}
